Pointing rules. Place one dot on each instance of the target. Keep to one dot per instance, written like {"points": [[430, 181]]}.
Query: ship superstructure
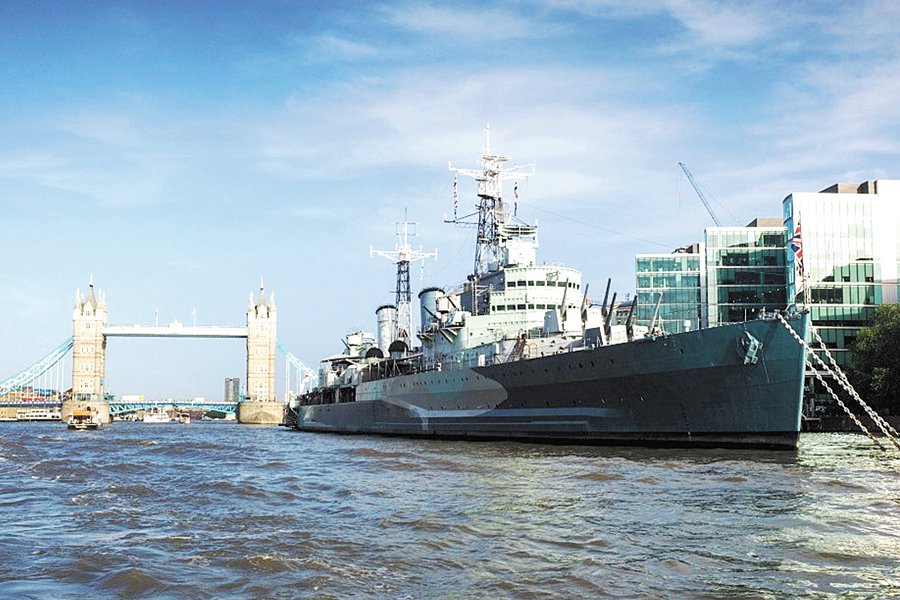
{"points": [[510, 307]]}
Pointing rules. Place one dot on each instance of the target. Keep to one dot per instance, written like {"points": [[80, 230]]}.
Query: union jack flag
{"points": [[516, 203], [797, 247]]}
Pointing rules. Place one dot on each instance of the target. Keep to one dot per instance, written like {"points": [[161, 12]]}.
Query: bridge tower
{"points": [[88, 354], [261, 344], [259, 405], [89, 345]]}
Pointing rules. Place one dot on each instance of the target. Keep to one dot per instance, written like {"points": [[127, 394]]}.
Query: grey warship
{"points": [[516, 352]]}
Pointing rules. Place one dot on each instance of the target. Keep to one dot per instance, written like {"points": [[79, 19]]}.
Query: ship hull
{"points": [[690, 389]]}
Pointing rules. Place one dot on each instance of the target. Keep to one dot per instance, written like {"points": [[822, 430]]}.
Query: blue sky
{"points": [[179, 152]]}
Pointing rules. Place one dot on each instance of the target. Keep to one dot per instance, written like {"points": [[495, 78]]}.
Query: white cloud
{"points": [[28, 162], [419, 116], [477, 23], [614, 9], [711, 23], [836, 114], [114, 128], [721, 24], [857, 29], [328, 47]]}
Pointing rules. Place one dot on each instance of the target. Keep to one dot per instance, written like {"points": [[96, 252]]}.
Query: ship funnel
{"points": [[398, 349], [428, 303], [387, 326]]}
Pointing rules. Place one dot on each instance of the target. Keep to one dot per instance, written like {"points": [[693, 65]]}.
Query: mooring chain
{"points": [[878, 421], [847, 409], [847, 387], [842, 380], [837, 369]]}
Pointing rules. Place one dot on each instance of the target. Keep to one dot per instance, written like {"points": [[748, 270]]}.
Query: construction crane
{"points": [[701, 194]]}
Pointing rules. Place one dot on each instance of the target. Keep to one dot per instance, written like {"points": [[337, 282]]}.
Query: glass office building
{"points": [[679, 279], [846, 256], [736, 273], [745, 270]]}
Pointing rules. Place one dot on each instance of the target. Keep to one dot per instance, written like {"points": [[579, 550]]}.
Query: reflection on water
{"points": [[216, 510]]}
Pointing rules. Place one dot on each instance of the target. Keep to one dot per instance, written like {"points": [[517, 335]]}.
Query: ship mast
{"points": [[492, 212], [403, 255]]}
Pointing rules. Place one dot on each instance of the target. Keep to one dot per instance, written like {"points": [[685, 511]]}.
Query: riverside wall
{"points": [[843, 423]]}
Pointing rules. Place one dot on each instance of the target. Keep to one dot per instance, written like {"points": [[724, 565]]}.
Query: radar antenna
{"points": [[493, 212], [403, 254]]}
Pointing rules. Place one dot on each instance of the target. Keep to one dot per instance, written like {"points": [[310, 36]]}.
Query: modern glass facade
{"points": [[745, 271], [678, 277], [736, 273], [849, 241]]}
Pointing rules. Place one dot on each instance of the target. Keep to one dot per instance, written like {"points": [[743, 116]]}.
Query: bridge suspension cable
{"points": [[19, 381]]}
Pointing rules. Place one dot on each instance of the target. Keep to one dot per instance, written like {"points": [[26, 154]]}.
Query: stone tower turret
{"points": [[261, 340], [89, 345]]}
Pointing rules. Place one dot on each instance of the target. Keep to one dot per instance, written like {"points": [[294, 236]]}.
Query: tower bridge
{"points": [[89, 346]]}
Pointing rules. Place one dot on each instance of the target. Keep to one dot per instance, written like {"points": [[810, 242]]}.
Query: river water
{"points": [[220, 510]]}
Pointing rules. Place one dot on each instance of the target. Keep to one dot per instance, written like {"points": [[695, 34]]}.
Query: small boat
{"points": [[85, 417], [157, 416], [184, 418]]}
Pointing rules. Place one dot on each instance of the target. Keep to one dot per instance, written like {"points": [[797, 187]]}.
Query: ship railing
{"points": [[451, 365]]}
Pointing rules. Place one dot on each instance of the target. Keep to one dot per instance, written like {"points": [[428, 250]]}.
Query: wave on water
{"points": [[599, 476], [229, 512], [372, 452]]}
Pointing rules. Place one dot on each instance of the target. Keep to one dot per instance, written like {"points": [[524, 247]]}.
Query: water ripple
{"points": [[215, 510]]}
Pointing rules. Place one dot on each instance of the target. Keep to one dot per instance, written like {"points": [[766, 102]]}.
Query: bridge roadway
{"points": [[174, 329]]}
